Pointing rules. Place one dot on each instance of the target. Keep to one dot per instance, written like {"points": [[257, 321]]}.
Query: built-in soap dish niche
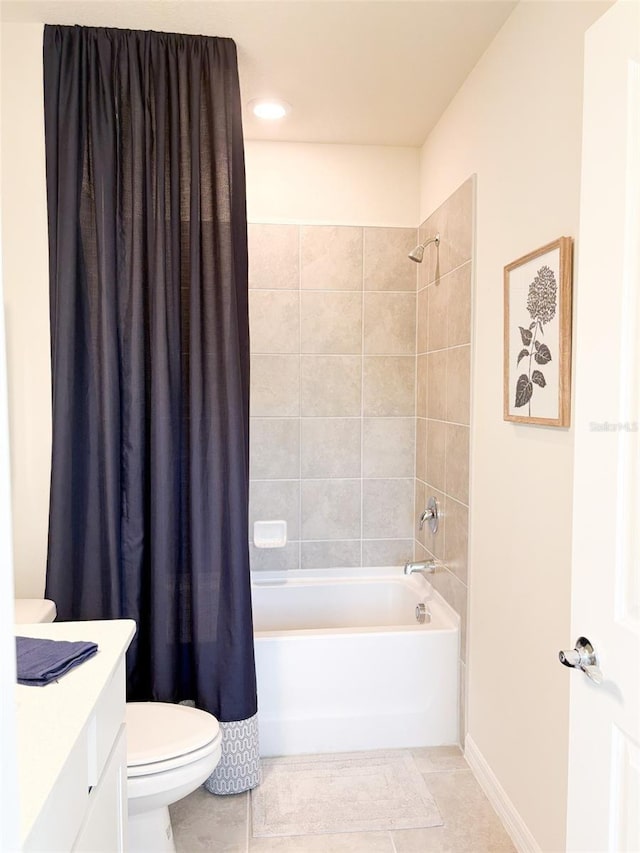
{"points": [[270, 534]]}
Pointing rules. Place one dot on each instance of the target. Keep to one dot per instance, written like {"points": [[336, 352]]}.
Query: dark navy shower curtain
{"points": [[150, 362]]}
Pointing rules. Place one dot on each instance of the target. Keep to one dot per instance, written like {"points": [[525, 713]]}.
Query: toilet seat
{"points": [[162, 736]]}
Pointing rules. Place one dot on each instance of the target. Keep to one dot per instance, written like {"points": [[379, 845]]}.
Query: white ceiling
{"points": [[375, 72]]}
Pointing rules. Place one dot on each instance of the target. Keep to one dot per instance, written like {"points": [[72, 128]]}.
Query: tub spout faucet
{"points": [[425, 567]]}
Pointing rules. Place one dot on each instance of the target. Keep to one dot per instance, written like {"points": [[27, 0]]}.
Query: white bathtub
{"points": [[342, 663]]}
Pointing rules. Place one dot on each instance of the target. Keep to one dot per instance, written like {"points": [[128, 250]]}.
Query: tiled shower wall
{"points": [[333, 358], [443, 398]]}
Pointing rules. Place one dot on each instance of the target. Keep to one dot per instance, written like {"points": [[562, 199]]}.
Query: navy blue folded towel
{"points": [[40, 662]]}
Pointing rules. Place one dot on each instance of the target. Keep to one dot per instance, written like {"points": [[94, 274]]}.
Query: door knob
{"points": [[582, 657]]}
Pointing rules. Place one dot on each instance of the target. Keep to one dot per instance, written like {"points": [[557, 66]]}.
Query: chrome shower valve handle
{"points": [[431, 514]]}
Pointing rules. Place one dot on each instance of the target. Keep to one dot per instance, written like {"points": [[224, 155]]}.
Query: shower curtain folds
{"points": [[150, 363]]}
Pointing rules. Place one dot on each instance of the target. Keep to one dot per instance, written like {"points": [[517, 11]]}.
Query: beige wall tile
{"points": [[457, 228], [387, 509], [330, 447], [386, 552], [455, 549], [457, 473], [434, 542], [331, 386], [459, 306], [271, 500], [420, 553], [389, 386], [386, 265], [275, 385], [274, 254], [331, 322], [455, 593], [419, 504], [458, 385], [436, 446], [422, 385], [388, 447], [453, 221], [274, 321], [390, 323], [437, 385], [421, 449], [325, 383], [275, 559], [329, 555], [437, 314], [423, 268], [331, 257], [331, 509], [274, 448], [422, 322]]}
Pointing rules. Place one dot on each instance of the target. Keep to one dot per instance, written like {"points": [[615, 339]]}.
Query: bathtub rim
{"points": [[448, 619]]}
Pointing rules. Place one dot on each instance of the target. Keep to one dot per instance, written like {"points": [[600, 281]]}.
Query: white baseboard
{"points": [[497, 796]]}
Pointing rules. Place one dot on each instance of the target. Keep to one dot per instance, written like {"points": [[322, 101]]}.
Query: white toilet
{"points": [[171, 750], [28, 611]]}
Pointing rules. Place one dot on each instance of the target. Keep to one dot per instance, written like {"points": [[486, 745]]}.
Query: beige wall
{"points": [[443, 348], [25, 267], [333, 317], [332, 184], [516, 123]]}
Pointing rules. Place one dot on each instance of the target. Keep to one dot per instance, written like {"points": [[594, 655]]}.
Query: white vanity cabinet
{"points": [[72, 757]]}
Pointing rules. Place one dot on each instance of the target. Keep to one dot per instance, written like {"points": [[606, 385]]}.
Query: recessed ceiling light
{"points": [[270, 109]]}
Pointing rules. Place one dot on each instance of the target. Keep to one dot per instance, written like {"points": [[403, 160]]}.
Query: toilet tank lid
{"points": [[158, 731], [31, 610]]}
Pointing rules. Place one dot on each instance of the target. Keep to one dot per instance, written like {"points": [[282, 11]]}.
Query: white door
{"points": [[604, 743]]}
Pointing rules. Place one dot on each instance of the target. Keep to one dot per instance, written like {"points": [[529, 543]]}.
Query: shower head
{"points": [[418, 253]]}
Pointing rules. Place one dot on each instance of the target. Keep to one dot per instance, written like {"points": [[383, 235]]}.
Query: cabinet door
{"points": [[104, 828]]}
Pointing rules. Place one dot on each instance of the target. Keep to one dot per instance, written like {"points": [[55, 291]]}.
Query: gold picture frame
{"points": [[537, 336]]}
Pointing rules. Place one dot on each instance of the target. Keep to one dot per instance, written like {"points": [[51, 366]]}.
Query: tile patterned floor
{"points": [[223, 824]]}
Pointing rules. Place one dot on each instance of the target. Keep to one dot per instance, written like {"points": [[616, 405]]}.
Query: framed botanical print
{"points": [[537, 336]]}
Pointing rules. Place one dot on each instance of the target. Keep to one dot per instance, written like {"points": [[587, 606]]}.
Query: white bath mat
{"points": [[354, 792]]}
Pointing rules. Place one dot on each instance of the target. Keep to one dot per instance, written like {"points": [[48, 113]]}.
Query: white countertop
{"points": [[50, 719]]}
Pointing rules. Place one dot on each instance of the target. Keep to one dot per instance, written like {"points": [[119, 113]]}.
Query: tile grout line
{"points": [[323, 479], [446, 412], [368, 539], [446, 494], [394, 849], [330, 290], [340, 417], [345, 354], [448, 273]]}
